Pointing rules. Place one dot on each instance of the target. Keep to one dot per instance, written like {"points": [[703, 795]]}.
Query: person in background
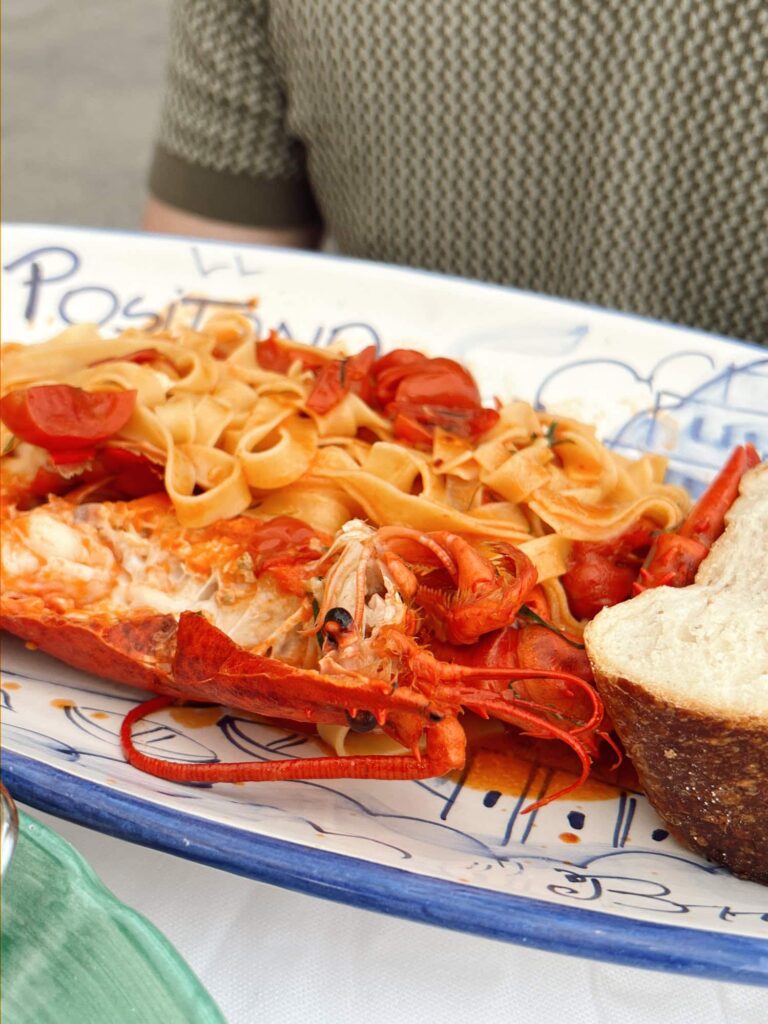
{"points": [[610, 151]]}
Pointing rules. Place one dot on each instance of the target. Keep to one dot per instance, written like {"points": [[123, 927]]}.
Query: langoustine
{"points": [[372, 629], [396, 629]]}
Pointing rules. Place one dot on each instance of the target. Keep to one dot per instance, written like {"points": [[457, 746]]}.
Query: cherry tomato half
{"points": [[440, 382], [337, 379], [281, 546], [420, 394], [283, 540], [388, 371], [65, 419], [602, 574], [276, 355]]}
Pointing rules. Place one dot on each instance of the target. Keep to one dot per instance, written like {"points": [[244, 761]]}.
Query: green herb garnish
{"points": [[550, 436], [530, 614], [316, 612]]}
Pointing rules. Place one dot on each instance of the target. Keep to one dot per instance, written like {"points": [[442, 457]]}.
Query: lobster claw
{"points": [[487, 594], [675, 558]]}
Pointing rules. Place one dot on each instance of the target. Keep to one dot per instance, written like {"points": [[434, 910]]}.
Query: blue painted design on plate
{"points": [[559, 928]]}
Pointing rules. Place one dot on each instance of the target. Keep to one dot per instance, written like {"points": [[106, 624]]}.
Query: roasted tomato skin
{"points": [[603, 574], [337, 379], [67, 421], [283, 539], [277, 354], [420, 394], [283, 546]]}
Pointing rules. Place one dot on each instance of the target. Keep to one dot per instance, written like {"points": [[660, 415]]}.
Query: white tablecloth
{"points": [[266, 954]]}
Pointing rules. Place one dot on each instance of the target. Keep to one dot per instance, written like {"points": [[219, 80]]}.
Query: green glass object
{"points": [[71, 952]]}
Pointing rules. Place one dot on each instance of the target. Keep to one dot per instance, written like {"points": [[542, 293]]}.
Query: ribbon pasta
{"points": [[231, 435]]}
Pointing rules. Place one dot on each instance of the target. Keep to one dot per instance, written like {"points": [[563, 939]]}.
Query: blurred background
{"points": [[79, 154]]}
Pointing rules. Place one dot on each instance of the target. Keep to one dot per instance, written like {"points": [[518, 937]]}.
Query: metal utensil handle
{"points": [[10, 829]]}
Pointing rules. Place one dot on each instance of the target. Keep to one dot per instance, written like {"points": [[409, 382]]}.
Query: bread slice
{"points": [[684, 676]]}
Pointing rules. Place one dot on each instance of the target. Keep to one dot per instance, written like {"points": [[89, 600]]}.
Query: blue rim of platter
{"points": [[359, 883], [346, 879]]}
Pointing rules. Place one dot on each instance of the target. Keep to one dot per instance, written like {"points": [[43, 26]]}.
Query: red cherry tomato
{"points": [[283, 540], [602, 574], [337, 379], [595, 582], [65, 420], [134, 475], [47, 482], [439, 382], [420, 394], [126, 474], [416, 423], [277, 355], [72, 456], [281, 546], [409, 429], [388, 371]]}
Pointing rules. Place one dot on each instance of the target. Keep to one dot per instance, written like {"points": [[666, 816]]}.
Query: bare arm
{"points": [[170, 220]]}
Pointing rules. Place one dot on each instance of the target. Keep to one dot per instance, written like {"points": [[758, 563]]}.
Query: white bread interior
{"points": [[703, 647]]}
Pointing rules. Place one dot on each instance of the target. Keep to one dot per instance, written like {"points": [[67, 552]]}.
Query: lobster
{"points": [[392, 628], [604, 573], [674, 558], [372, 628]]}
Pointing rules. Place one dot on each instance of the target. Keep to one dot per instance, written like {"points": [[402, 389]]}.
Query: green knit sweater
{"points": [[612, 151]]}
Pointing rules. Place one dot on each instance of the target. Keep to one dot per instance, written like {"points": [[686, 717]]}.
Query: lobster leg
{"points": [[445, 751], [674, 559]]}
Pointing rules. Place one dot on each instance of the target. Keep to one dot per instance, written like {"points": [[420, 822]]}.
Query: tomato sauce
{"points": [[505, 762]]}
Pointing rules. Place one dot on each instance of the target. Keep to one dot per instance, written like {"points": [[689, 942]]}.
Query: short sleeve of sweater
{"points": [[223, 151]]}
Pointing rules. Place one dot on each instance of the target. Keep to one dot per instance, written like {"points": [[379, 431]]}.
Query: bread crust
{"points": [[706, 776]]}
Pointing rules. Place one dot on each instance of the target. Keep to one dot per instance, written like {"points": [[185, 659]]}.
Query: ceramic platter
{"points": [[594, 877]]}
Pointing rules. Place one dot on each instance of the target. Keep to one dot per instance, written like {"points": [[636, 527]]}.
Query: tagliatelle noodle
{"points": [[549, 554], [178, 416], [314, 501], [404, 468], [123, 376], [579, 521], [521, 474], [560, 613], [232, 435], [349, 416], [384, 504], [225, 492], [344, 742], [66, 353], [281, 456], [508, 512], [212, 416]]}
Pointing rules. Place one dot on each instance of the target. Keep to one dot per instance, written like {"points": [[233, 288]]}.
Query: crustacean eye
{"points": [[362, 721], [337, 622]]}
